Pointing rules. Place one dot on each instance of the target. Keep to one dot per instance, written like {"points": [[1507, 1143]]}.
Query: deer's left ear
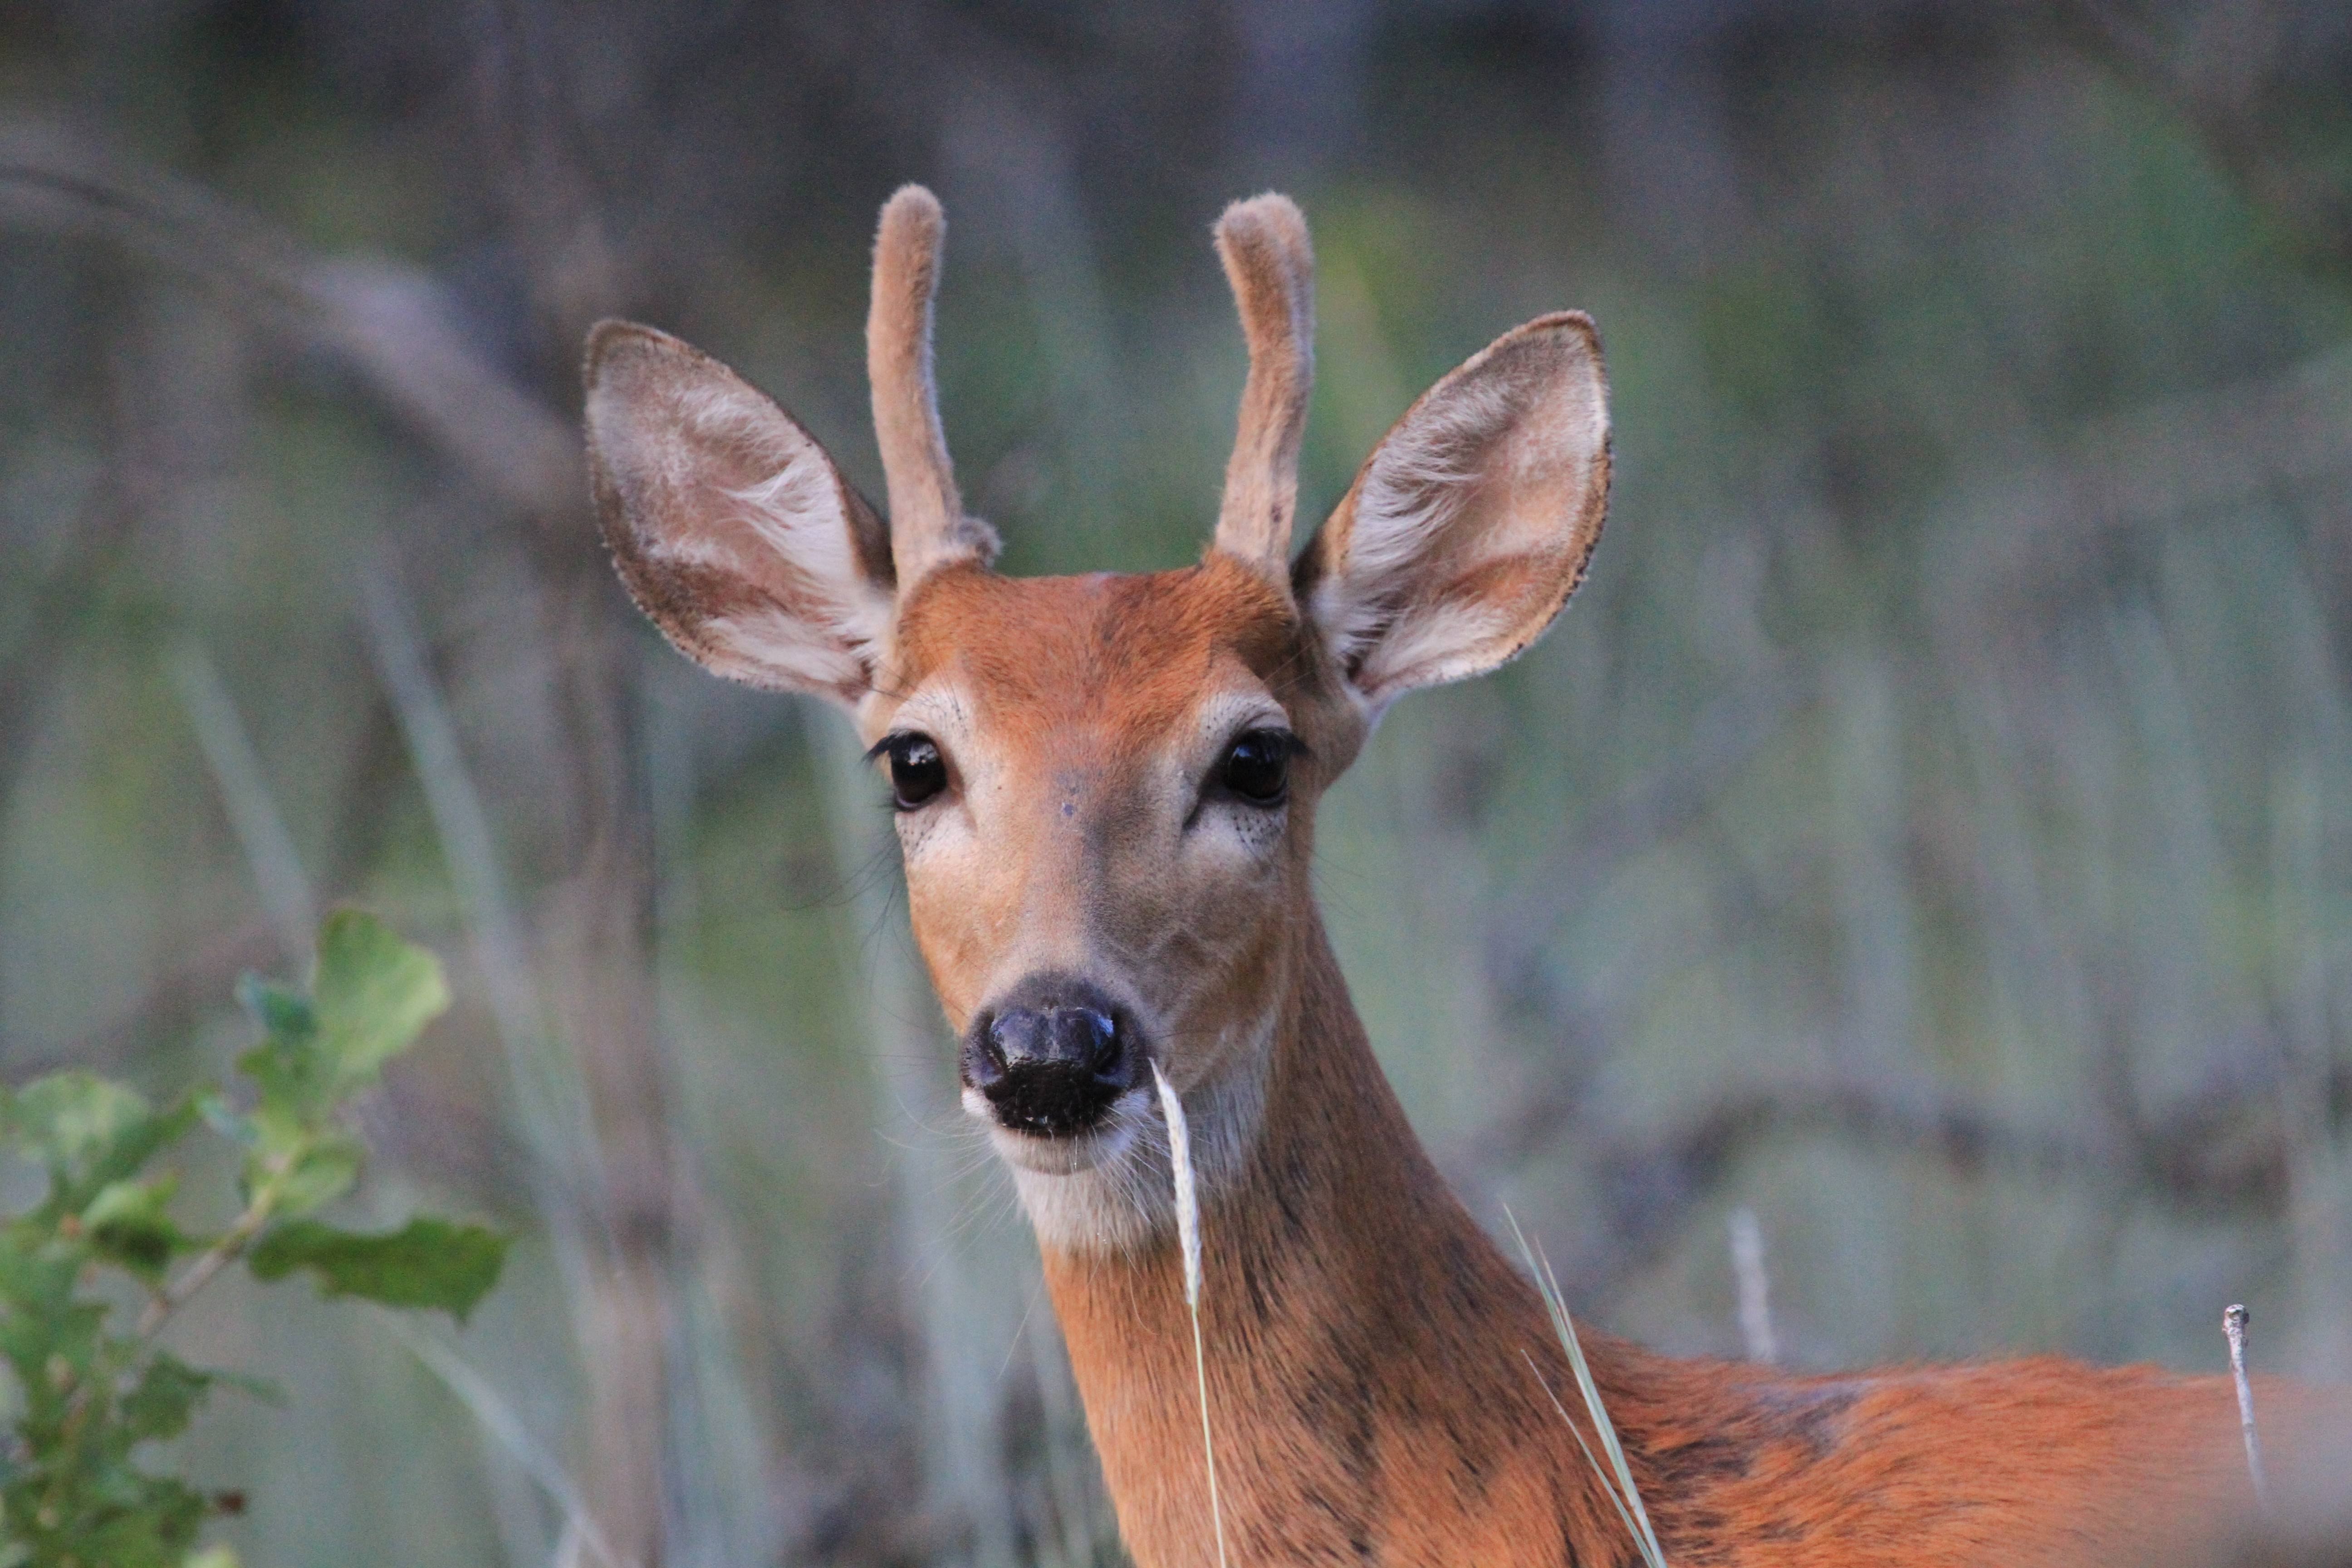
{"points": [[1472, 522]]}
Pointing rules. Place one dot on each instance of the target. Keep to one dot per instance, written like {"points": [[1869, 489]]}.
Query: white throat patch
{"points": [[1119, 1193]]}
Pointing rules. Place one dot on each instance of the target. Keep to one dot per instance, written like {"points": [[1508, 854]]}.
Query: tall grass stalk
{"points": [[253, 815], [1617, 1478], [1755, 1287], [1187, 1238], [499, 1420], [2235, 1319]]}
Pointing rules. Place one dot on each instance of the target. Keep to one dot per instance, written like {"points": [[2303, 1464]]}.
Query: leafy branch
{"points": [[88, 1399]]}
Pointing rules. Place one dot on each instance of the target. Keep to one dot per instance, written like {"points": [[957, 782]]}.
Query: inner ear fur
{"points": [[732, 529], [1473, 520]]}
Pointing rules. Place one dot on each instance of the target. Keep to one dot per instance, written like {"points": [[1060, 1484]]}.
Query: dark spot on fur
{"points": [[1286, 1184], [1461, 1271], [1809, 1416], [1702, 1462], [1348, 1522], [1253, 1286]]}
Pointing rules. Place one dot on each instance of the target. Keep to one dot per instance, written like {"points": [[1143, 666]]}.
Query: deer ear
{"points": [[733, 531], [1472, 522]]}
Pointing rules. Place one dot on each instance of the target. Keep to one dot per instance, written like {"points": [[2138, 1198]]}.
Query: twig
{"points": [[208, 1265], [2193, 1160], [1755, 1298], [2234, 1318], [1188, 1236], [388, 323]]}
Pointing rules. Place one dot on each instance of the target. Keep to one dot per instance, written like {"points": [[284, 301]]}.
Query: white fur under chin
{"points": [[1113, 1190]]}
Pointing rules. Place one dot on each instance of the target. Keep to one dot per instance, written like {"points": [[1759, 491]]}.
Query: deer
{"points": [[1105, 791]]}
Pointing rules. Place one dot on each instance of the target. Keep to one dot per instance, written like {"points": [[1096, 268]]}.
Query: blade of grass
{"points": [[1187, 1238], [1622, 1491], [2235, 1319], [1755, 1289], [253, 816], [1607, 1485], [500, 1419]]}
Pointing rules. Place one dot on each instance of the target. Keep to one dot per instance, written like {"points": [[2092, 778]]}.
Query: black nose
{"points": [[1052, 1056]]}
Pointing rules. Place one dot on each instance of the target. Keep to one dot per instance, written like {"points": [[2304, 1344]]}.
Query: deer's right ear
{"points": [[732, 529], [1472, 522]]}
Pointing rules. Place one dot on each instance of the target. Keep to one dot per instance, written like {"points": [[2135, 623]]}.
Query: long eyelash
{"points": [[882, 747]]}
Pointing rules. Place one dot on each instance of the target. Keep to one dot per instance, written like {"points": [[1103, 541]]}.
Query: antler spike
{"points": [[928, 527], [1271, 264]]}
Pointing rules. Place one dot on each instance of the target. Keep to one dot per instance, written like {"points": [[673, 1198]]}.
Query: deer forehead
{"points": [[1096, 675]]}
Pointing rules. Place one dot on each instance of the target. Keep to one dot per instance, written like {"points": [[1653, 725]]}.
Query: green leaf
{"points": [[126, 1224], [160, 1404], [309, 1172], [69, 1120], [287, 1066], [375, 994], [277, 1009], [260, 1390], [428, 1262], [226, 1119], [90, 1132]]}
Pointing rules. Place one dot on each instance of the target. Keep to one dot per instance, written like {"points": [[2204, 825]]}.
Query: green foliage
{"points": [[427, 1262], [90, 1393]]}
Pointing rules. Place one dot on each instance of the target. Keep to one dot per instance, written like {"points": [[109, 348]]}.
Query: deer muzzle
{"points": [[1052, 1056]]}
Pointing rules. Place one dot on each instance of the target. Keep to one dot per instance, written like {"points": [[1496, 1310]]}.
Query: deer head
{"points": [[1106, 786]]}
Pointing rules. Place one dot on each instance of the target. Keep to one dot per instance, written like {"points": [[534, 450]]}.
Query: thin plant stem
{"points": [[1755, 1289], [500, 1419], [1589, 1458], [2234, 1318], [1620, 1486], [209, 1263], [253, 815], [1188, 1237]]}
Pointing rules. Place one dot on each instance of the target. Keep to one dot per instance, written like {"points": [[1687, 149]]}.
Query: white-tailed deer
{"points": [[1105, 790]]}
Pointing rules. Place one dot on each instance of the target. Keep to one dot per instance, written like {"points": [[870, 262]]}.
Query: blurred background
{"points": [[1923, 845]]}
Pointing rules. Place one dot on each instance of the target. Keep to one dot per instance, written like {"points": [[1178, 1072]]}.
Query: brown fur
{"points": [[1382, 1379], [1383, 1385], [1271, 265], [929, 527]]}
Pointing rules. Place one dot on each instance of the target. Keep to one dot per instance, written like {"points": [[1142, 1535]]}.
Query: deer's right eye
{"points": [[918, 772]]}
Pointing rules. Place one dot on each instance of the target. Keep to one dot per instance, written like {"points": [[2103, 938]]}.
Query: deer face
{"points": [[1105, 791], [1105, 786]]}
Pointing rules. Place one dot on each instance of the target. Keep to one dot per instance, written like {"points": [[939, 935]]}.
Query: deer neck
{"points": [[1368, 1349]]}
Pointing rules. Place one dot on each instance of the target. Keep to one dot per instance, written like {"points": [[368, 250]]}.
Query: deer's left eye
{"points": [[1256, 767], [918, 772]]}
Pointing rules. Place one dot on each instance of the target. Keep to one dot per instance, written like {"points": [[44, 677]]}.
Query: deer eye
{"points": [[1256, 767], [918, 772]]}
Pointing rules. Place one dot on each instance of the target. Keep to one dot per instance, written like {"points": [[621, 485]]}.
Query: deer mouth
{"points": [[1064, 1154], [1051, 1102]]}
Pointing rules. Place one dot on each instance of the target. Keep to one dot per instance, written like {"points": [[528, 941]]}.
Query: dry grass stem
{"points": [[506, 1427], [1755, 1289], [1187, 1238], [1617, 1478], [2234, 1318]]}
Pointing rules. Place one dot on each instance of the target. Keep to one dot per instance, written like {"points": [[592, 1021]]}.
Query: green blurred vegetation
{"points": [[91, 1392], [1927, 829]]}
